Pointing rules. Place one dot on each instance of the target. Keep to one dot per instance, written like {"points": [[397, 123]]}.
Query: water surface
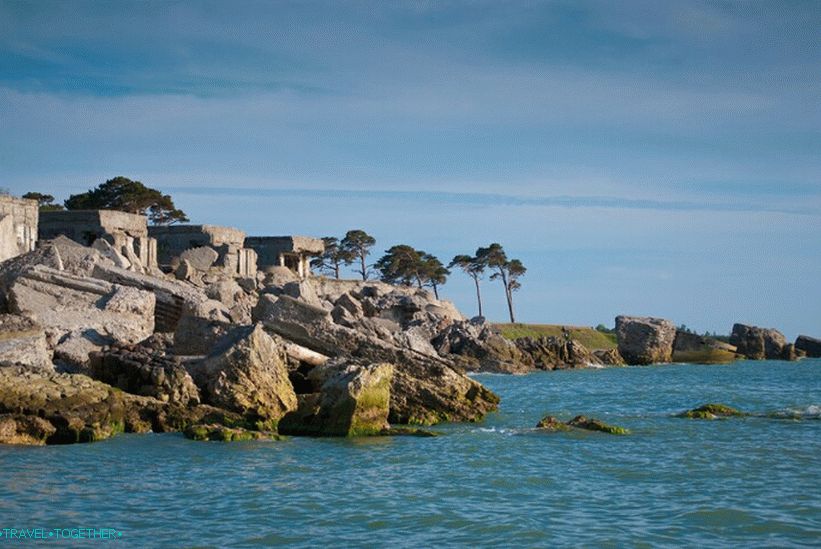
{"points": [[741, 482]]}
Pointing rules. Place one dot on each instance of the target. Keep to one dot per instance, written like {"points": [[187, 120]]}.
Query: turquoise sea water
{"points": [[673, 482]]}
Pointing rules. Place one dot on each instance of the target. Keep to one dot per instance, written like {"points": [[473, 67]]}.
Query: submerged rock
{"points": [[221, 433], [553, 425], [550, 423], [592, 424], [645, 340], [712, 411]]}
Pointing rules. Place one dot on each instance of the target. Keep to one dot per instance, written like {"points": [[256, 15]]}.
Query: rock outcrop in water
{"points": [[114, 349], [712, 411], [645, 340], [810, 346], [553, 425], [758, 343]]}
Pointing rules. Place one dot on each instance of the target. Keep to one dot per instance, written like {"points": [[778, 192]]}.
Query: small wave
{"points": [[813, 411]]}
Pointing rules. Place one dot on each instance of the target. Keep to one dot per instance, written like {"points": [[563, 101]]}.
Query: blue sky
{"points": [[659, 158]]}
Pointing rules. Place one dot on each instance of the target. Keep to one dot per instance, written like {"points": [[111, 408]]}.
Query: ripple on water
{"points": [[747, 482]]}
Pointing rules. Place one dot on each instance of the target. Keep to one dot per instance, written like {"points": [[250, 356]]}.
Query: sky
{"points": [[639, 157]]}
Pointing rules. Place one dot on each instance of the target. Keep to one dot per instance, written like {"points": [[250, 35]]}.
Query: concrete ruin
{"points": [[123, 233], [175, 240], [18, 226], [293, 252]]}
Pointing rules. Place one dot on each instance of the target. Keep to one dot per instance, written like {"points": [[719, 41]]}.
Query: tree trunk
{"points": [[435, 292], [478, 295], [336, 270], [364, 271], [509, 296]]}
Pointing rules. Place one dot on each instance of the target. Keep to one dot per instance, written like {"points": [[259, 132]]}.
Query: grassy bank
{"points": [[589, 337]]}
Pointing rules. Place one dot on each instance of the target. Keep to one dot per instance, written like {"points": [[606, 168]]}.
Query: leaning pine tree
{"points": [[474, 267], [507, 270]]}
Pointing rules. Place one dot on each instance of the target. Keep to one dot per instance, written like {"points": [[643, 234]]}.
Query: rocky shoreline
{"points": [[93, 344]]}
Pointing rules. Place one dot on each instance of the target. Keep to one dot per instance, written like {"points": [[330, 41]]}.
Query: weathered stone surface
{"points": [[609, 357], [758, 343], [11, 269], [137, 370], [25, 429], [237, 300], [425, 389], [644, 340], [482, 349], [108, 251], [553, 353], [201, 258], [80, 408], [68, 306], [199, 336], [78, 259], [701, 349], [810, 345], [23, 342], [353, 400], [248, 374]]}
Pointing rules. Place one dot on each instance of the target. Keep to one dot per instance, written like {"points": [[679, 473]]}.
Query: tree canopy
{"points": [[474, 267], [45, 201], [402, 264], [507, 270], [121, 193], [332, 258], [357, 244]]}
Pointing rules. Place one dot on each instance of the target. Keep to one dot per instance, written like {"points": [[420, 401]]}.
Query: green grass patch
{"points": [[589, 337]]}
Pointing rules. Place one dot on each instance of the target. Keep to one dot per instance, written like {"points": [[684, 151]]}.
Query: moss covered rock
{"points": [[23, 429], [712, 411], [221, 433], [354, 400], [550, 423], [592, 424], [80, 409]]}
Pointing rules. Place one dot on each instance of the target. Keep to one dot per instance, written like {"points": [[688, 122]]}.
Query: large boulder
{"points": [[137, 370], [689, 347], [236, 299], [23, 342], [353, 400], [25, 429], [645, 340], [758, 343], [247, 374], [80, 408], [425, 389], [481, 349], [553, 353], [200, 258], [809, 345], [73, 307], [609, 357], [199, 336]]}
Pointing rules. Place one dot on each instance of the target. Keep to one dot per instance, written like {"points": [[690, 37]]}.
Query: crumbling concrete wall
{"points": [[228, 242], [127, 233], [293, 252], [18, 226]]}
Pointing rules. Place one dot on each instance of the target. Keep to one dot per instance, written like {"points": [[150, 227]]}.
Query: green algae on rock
{"points": [[221, 433], [553, 425], [550, 423], [712, 411]]}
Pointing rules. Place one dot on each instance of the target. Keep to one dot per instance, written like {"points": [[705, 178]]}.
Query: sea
{"points": [[672, 482]]}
